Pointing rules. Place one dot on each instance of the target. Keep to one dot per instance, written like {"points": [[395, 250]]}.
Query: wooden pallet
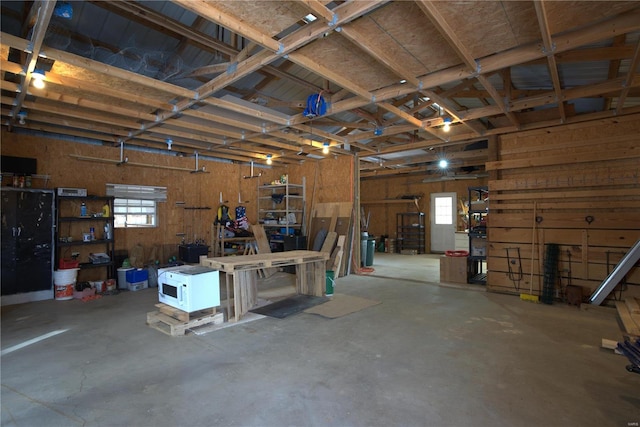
{"points": [[174, 322], [629, 315]]}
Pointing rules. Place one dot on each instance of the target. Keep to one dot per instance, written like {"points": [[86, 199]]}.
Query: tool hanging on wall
{"points": [[530, 296], [514, 275]]}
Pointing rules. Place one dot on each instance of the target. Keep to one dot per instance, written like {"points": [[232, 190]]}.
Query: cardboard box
{"points": [[453, 269]]}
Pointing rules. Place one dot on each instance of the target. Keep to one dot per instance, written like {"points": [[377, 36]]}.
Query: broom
{"points": [[530, 296]]}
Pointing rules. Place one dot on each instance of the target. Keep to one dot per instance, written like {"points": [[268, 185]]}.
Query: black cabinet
{"points": [[478, 211], [27, 240], [410, 233], [72, 228]]}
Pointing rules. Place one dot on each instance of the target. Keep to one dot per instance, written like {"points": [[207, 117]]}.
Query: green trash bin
{"points": [[371, 248], [330, 283]]}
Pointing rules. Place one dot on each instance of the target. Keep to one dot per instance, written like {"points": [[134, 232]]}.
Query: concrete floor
{"points": [[429, 355]]}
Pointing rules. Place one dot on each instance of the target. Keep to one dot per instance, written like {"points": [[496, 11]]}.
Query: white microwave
{"points": [[189, 287]]}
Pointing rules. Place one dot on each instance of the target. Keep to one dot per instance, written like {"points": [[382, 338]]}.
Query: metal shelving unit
{"points": [[478, 211], [281, 210], [410, 232], [70, 224]]}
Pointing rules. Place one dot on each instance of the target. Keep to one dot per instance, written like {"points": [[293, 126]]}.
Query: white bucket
{"points": [[122, 277], [66, 276], [63, 283]]}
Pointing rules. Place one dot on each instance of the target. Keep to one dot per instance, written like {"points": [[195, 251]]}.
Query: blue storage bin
{"points": [[139, 275]]}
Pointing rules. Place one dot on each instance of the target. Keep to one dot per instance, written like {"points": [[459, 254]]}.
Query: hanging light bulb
{"points": [[38, 79], [325, 148], [169, 143], [447, 124], [269, 161], [443, 164]]}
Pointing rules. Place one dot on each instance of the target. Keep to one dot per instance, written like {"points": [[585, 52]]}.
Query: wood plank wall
{"points": [[195, 190], [383, 217], [584, 180]]}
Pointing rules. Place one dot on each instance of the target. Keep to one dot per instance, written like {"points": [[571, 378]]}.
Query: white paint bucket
{"points": [[64, 292], [63, 283]]}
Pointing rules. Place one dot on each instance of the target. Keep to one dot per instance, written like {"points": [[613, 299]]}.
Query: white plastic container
{"points": [[122, 277]]}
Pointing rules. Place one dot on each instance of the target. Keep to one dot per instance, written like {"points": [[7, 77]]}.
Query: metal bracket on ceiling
{"points": [[549, 52], [232, 68], [280, 48], [478, 70], [334, 20]]}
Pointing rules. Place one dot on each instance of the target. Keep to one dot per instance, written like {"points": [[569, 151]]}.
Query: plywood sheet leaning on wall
{"points": [[585, 180], [334, 217]]}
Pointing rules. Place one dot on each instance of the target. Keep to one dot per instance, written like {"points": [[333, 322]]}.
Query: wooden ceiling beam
{"points": [[74, 113], [99, 67], [392, 130], [230, 22], [614, 66], [150, 18], [216, 118], [432, 12], [602, 30], [329, 74], [633, 67], [320, 10], [549, 48], [408, 118], [43, 10], [393, 64], [369, 46]]}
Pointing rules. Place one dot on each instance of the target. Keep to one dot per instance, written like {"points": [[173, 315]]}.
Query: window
{"points": [[444, 209], [134, 213], [136, 205]]}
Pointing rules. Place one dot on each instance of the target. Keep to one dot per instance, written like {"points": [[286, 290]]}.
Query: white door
{"points": [[443, 221]]}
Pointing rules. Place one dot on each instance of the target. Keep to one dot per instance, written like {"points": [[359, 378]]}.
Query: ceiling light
{"points": [[38, 79], [443, 164], [269, 161], [447, 124], [403, 81], [325, 148]]}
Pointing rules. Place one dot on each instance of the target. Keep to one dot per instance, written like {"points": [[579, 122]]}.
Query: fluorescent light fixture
{"points": [[38, 79], [269, 161], [325, 148], [447, 124], [443, 164], [309, 18]]}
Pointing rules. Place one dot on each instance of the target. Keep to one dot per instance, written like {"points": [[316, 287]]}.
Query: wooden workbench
{"points": [[241, 273]]}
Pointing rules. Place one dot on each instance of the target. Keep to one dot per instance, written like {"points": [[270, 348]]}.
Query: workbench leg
{"points": [[228, 279], [319, 277], [237, 297], [301, 279]]}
